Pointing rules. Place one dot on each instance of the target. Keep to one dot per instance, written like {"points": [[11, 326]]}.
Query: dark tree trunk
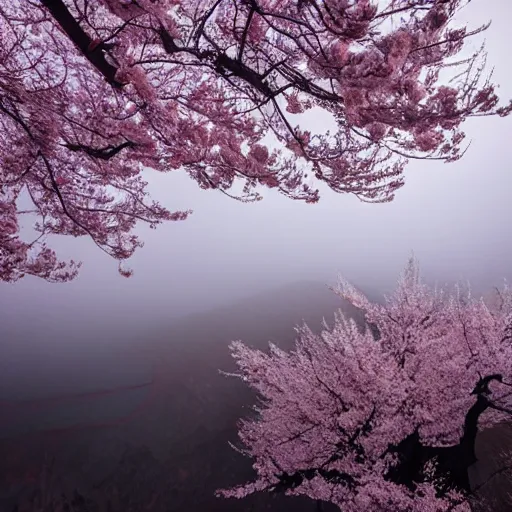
{"points": [[74, 31]]}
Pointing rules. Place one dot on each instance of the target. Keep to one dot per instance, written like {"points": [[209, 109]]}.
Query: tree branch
{"points": [[74, 31]]}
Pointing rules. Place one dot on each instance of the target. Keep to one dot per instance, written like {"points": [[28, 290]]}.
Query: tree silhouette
{"points": [[382, 422]]}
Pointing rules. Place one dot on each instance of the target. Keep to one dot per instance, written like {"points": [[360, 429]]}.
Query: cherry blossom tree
{"points": [[94, 92], [383, 418]]}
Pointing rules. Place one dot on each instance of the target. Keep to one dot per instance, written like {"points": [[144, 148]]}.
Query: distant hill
{"points": [[188, 425], [192, 350]]}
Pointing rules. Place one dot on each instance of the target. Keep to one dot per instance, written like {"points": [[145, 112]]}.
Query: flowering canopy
{"points": [[387, 421], [93, 92]]}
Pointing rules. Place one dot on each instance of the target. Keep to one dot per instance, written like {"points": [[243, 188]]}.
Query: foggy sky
{"points": [[455, 217]]}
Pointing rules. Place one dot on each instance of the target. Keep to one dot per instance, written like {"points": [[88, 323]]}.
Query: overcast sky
{"points": [[455, 217]]}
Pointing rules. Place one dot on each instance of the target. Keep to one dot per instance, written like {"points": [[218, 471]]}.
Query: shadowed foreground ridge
{"points": [[492, 475]]}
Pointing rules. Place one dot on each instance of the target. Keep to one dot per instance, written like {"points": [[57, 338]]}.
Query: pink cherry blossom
{"points": [[381, 417], [92, 93]]}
